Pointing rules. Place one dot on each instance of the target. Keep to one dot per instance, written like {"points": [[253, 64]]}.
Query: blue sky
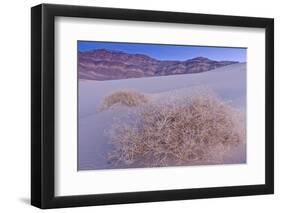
{"points": [[170, 52]]}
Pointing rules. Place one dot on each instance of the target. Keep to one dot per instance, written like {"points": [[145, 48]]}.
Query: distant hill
{"points": [[104, 64]]}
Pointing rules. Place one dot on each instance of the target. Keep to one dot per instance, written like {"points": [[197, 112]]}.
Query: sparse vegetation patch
{"points": [[200, 129]]}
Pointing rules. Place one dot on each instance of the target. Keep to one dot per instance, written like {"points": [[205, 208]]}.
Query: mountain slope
{"points": [[103, 64]]}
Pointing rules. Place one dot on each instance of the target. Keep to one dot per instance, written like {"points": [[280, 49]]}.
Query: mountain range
{"points": [[105, 64]]}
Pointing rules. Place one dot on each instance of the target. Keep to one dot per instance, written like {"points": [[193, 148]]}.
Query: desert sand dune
{"points": [[228, 83]]}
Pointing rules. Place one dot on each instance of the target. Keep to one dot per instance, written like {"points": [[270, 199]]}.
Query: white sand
{"points": [[228, 82]]}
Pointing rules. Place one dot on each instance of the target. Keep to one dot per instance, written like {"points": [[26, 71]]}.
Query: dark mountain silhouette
{"points": [[104, 64]]}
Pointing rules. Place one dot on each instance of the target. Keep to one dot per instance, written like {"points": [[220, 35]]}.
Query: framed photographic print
{"points": [[140, 106]]}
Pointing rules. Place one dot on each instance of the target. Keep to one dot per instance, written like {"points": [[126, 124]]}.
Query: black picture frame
{"points": [[43, 102]]}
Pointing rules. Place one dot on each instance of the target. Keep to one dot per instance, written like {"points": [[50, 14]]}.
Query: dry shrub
{"points": [[128, 98], [199, 130]]}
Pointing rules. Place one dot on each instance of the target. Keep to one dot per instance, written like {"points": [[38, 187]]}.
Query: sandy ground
{"points": [[229, 83]]}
